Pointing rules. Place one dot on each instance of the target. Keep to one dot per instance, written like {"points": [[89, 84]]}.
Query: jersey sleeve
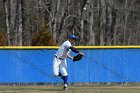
{"points": [[67, 47]]}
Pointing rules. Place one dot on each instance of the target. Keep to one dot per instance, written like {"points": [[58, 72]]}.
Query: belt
{"points": [[59, 57]]}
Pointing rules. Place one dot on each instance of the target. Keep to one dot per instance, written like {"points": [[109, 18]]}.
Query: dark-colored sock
{"points": [[65, 78], [60, 75]]}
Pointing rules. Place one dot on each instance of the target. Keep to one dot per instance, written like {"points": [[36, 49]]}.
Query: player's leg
{"points": [[56, 64], [63, 69]]}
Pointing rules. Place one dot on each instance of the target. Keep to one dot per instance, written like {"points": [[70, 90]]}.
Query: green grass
{"points": [[72, 89]]}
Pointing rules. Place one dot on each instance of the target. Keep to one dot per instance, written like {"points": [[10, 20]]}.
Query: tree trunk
{"points": [[91, 30], [102, 22], [13, 11], [82, 31], [26, 16], [20, 26], [56, 20], [17, 27], [109, 30], [125, 22], [7, 13]]}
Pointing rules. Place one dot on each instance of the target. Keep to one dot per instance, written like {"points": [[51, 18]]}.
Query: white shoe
{"points": [[65, 87]]}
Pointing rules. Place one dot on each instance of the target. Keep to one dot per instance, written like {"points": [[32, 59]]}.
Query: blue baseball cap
{"points": [[72, 36]]}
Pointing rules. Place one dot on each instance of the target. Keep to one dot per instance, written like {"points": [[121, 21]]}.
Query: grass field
{"points": [[72, 89]]}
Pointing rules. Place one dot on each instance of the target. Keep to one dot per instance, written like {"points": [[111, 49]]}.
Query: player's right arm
{"points": [[69, 56]]}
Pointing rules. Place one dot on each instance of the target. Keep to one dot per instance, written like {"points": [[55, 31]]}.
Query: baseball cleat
{"points": [[65, 87]]}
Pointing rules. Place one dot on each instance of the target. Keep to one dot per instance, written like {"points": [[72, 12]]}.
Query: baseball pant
{"points": [[59, 66]]}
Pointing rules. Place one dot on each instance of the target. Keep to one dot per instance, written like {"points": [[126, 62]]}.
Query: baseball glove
{"points": [[77, 57]]}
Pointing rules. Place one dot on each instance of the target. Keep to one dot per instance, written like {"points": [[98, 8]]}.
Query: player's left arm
{"points": [[76, 50], [78, 56]]}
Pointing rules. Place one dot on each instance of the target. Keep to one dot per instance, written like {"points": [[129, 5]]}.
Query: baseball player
{"points": [[59, 62]]}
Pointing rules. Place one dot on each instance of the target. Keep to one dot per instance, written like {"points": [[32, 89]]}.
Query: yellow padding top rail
{"points": [[79, 47]]}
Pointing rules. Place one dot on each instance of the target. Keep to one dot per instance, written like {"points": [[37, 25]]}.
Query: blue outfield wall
{"points": [[98, 65]]}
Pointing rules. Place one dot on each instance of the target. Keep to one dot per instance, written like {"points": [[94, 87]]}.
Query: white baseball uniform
{"points": [[59, 62]]}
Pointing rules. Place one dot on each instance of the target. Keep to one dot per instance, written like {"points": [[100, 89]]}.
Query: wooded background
{"points": [[49, 22]]}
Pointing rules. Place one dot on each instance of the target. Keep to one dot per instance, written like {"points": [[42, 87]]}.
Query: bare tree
{"points": [[7, 13], [91, 25], [13, 11], [102, 21], [95, 22]]}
